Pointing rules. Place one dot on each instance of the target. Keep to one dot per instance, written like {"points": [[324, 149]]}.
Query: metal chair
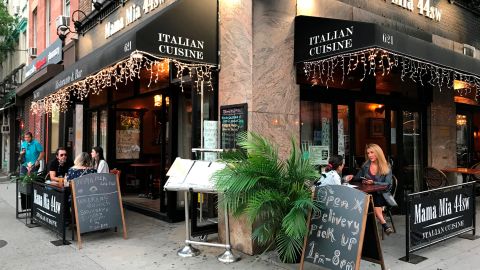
{"points": [[434, 178], [475, 177], [387, 209]]}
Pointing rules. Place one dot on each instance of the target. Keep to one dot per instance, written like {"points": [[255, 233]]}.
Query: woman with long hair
{"points": [[377, 171], [333, 171], [81, 166], [99, 162]]}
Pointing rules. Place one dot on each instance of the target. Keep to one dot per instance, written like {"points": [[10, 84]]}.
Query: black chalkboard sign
{"points": [[48, 208], [233, 120], [336, 233], [97, 203]]}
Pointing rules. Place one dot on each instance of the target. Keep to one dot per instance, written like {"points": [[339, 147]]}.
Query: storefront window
{"points": [[103, 131], [316, 131], [93, 129], [343, 131], [55, 130]]}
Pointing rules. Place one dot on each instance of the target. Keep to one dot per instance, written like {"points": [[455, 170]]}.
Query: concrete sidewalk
{"points": [[153, 244]]}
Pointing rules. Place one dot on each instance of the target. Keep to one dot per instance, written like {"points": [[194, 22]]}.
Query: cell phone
{"points": [[364, 178]]}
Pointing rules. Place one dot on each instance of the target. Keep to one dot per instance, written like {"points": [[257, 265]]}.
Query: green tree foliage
{"points": [[7, 29], [274, 194]]}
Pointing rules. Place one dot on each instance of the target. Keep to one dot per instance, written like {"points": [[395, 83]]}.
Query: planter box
{"points": [[25, 189]]}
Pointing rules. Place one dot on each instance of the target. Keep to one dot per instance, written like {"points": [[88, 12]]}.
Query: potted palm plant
{"points": [[25, 181], [274, 194]]}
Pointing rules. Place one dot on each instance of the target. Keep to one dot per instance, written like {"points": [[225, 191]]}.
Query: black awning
{"points": [[186, 30], [318, 38]]}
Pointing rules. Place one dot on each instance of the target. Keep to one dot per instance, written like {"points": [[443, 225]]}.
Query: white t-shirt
{"points": [[102, 167], [331, 178]]}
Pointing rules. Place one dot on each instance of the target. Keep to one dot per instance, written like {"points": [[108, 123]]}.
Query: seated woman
{"points": [[333, 172], [376, 170], [99, 162], [81, 166]]}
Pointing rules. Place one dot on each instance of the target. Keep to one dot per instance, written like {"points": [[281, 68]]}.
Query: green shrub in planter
{"points": [[274, 194]]}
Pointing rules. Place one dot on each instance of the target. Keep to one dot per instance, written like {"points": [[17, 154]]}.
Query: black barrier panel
{"points": [[336, 232], [440, 214], [233, 120], [98, 205], [48, 207]]}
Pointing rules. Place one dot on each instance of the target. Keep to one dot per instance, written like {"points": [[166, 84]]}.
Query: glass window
{"points": [[316, 130], [93, 129], [66, 8], [34, 28], [55, 130], [343, 131], [47, 23], [103, 131]]}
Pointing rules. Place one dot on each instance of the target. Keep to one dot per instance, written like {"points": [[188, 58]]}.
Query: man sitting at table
{"points": [[58, 167]]}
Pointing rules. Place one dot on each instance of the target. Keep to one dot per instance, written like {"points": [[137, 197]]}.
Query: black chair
{"points": [[475, 177], [387, 209], [434, 178]]}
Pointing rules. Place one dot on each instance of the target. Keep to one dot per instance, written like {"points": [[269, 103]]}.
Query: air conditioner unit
{"points": [[468, 50], [5, 129], [62, 20], [16, 10], [32, 52]]}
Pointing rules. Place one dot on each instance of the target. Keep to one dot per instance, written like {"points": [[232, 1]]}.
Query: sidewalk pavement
{"points": [[153, 244]]}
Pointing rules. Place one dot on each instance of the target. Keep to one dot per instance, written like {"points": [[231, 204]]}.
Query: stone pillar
{"points": [[256, 44]]}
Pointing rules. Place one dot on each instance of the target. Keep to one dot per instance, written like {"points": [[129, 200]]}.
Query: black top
{"points": [[61, 170]]}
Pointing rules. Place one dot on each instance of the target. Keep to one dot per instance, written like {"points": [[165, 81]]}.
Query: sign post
{"points": [[98, 203], [343, 232]]}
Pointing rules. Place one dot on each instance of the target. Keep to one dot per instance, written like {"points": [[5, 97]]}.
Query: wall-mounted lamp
{"points": [[157, 101], [78, 24]]}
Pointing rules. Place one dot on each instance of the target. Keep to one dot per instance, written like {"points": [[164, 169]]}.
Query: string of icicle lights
{"points": [[322, 71], [123, 72]]}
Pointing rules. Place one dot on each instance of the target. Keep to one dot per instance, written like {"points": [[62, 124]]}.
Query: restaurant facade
{"points": [[335, 74]]}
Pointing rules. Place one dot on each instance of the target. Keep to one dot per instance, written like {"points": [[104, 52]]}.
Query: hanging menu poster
{"points": [[233, 120]]}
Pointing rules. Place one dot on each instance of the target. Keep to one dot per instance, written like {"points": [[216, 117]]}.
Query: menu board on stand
{"points": [[97, 203], [233, 120]]}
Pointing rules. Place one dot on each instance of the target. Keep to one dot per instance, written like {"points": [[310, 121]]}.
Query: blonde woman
{"points": [[376, 171], [81, 166]]}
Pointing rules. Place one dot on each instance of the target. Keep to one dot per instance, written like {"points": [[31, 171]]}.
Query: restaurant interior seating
{"points": [[387, 210], [434, 178]]}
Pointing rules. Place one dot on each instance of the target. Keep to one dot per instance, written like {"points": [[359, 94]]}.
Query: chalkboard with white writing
{"points": [[233, 120], [97, 202], [336, 232]]}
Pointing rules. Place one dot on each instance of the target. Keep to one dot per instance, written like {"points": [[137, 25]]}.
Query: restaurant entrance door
{"points": [[346, 129]]}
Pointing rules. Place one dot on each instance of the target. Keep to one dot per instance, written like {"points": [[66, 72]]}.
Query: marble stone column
{"points": [[256, 44]]}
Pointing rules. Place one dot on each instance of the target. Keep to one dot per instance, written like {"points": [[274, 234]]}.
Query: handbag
{"points": [[389, 199]]}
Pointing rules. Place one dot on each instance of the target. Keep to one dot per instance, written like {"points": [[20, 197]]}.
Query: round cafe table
{"points": [[149, 166]]}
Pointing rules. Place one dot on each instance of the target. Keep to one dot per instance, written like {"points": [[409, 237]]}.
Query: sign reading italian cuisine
{"points": [[441, 215]]}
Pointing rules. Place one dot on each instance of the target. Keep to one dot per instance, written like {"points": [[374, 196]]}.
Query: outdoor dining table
{"points": [[369, 188], [464, 171]]}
